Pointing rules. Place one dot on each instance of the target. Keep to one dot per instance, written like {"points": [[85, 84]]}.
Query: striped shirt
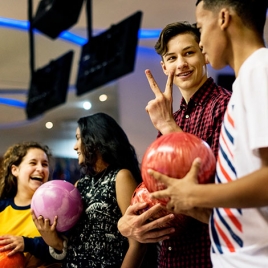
{"points": [[239, 236]]}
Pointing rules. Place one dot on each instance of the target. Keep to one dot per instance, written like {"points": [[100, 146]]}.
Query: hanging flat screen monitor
{"points": [[49, 86], [54, 16], [109, 55]]}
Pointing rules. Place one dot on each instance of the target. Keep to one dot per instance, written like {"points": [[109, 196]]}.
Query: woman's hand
{"points": [[48, 231], [13, 243]]}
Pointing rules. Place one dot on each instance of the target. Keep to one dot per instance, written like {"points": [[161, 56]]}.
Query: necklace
{"points": [[95, 177]]}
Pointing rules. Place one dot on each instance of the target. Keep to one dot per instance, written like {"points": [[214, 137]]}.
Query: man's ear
{"points": [[224, 18], [164, 67]]}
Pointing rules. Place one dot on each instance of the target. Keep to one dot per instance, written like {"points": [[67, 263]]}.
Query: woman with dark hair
{"points": [[25, 167], [110, 174], [102, 138]]}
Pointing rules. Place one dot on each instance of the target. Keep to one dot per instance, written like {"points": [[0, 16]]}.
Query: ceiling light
{"points": [[87, 105], [103, 97], [49, 125]]}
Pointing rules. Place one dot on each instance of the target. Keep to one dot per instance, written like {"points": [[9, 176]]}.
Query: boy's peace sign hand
{"points": [[160, 109]]}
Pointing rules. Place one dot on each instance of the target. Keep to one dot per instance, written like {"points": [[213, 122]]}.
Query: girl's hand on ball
{"points": [[11, 243], [44, 225]]}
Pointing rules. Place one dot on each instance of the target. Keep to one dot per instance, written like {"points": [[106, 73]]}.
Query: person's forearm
{"points": [[169, 128], [54, 240], [248, 191], [58, 244], [134, 255], [200, 214], [37, 247]]}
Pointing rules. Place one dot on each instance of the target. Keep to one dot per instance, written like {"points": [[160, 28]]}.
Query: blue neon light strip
{"points": [[12, 102], [149, 33], [24, 26], [12, 23], [66, 35], [73, 38]]}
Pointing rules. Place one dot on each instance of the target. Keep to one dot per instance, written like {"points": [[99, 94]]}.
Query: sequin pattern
{"points": [[95, 240]]}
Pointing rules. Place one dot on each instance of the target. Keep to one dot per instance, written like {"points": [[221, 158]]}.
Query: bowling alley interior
{"points": [[30, 49]]}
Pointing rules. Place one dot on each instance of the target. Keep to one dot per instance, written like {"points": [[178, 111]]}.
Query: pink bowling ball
{"points": [[58, 198]]}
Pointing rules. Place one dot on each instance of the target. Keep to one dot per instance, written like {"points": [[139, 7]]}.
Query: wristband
{"points": [[60, 256]]}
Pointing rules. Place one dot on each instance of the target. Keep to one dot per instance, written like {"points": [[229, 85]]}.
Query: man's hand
{"points": [[160, 109], [178, 190], [11, 242], [141, 228]]}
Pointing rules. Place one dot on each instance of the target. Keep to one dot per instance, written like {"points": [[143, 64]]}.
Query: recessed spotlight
{"points": [[103, 97], [49, 125], [87, 105]]}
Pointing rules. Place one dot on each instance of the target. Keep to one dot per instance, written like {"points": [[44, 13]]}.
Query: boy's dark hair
{"points": [[251, 12], [174, 29]]}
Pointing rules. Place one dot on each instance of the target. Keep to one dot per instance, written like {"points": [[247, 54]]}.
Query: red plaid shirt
{"points": [[202, 116]]}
